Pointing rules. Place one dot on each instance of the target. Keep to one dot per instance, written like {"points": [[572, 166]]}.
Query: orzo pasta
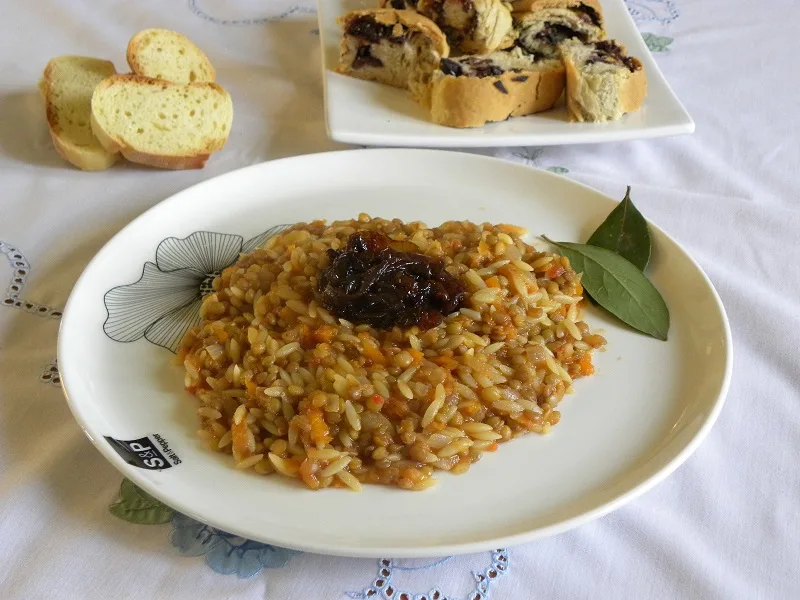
{"points": [[286, 386]]}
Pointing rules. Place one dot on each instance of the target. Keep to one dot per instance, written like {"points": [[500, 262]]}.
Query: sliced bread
{"points": [[165, 54], [67, 86], [162, 124], [470, 91], [400, 48], [474, 27], [603, 82], [554, 21]]}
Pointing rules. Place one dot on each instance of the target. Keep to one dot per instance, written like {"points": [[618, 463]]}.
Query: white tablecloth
{"points": [[725, 525]]}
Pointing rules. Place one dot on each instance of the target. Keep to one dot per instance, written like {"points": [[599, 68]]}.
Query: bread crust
{"points": [[135, 46], [523, 6], [86, 159], [468, 101], [408, 18], [500, 33], [112, 143], [631, 92]]}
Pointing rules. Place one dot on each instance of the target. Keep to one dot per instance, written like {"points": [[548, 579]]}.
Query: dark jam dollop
{"points": [[383, 283]]}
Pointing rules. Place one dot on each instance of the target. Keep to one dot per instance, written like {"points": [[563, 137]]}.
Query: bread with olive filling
{"points": [[603, 82], [400, 48], [472, 26], [552, 22], [471, 91]]}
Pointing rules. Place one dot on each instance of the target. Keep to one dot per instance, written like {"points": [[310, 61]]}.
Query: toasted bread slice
{"points": [[67, 86], [164, 54], [162, 124]]}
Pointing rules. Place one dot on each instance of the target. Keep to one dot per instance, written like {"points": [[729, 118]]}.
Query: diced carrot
{"points": [[306, 336], [372, 352], [555, 271], [492, 447], [221, 334], [587, 368], [471, 408], [510, 331], [448, 362], [416, 355], [319, 428], [493, 282], [325, 334]]}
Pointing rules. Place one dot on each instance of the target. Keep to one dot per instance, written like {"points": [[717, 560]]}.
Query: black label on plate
{"points": [[146, 453]]}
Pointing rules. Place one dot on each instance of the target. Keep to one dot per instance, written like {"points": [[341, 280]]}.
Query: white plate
{"points": [[626, 428], [363, 112]]}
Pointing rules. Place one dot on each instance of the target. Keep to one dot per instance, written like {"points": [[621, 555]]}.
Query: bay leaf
{"points": [[619, 287], [625, 232]]}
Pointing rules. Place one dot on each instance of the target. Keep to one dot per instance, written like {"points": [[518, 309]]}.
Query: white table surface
{"points": [[726, 525]]}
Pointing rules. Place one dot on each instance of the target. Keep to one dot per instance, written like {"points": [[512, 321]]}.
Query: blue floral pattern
{"points": [[165, 303], [227, 554]]}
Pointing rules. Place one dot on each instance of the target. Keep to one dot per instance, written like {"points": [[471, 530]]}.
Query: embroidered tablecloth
{"points": [[725, 525]]}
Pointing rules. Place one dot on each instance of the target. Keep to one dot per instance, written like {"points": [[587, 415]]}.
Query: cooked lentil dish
{"points": [[376, 351]]}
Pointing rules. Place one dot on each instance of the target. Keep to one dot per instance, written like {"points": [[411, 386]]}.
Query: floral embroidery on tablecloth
{"points": [[386, 587], [20, 269], [532, 156], [197, 9], [225, 553], [50, 374], [657, 43], [660, 11]]}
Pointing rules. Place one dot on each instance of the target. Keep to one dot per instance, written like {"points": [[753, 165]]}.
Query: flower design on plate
{"points": [[225, 553], [165, 303]]}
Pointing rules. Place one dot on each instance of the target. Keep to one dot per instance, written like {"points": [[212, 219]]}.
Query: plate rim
{"points": [[407, 551], [448, 139]]}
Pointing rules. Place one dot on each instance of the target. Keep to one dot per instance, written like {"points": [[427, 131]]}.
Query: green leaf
{"points": [[619, 287], [625, 232], [137, 506]]}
